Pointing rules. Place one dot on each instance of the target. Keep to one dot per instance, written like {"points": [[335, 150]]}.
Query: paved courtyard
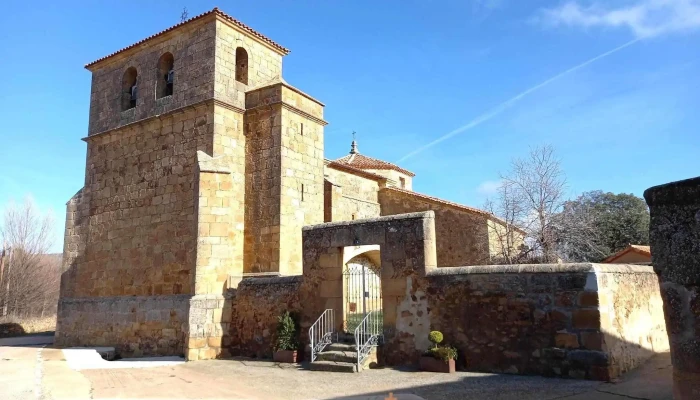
{"points": [[31, 369]]}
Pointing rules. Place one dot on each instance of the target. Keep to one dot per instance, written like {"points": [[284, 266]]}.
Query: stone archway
{"points": [[362, 289]]}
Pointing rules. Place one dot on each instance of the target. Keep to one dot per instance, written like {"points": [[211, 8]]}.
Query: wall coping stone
{"points": [[71, 300], [398, 217], [272, 280], [680, 192], [543, 269]]}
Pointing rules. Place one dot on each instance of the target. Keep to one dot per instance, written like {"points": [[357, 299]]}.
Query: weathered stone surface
{"points": [[674, 234], [256, 304], [462, 236], [134, 325]]}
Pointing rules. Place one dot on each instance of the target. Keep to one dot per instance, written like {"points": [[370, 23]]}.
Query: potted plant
{"points": [[286, 343], [438, 358]]}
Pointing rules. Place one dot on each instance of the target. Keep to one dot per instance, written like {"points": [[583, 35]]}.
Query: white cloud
{"points": [[488, 188], [644, 18]]}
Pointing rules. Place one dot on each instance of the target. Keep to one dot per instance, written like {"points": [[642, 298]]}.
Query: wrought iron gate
{"points": [[362, 289]]}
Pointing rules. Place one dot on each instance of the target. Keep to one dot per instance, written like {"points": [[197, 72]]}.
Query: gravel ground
{"points": [[271, 380], [34, 370]]}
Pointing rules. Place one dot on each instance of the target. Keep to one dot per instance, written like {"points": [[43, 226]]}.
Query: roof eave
{"points": [[214, 14]]}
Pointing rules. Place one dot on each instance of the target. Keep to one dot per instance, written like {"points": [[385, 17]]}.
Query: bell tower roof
{"points": [[214, 13]]}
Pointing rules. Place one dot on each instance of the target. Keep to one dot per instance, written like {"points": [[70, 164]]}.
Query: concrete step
{"points": [[333, 366], [345, 337], [340, 347], [338, 356]]}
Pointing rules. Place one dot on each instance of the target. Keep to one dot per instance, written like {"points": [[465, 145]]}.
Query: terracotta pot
{"points": [[432, 364], [285, 356]]}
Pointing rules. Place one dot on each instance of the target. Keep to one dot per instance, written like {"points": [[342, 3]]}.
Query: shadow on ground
{"points": [[651, 381]]}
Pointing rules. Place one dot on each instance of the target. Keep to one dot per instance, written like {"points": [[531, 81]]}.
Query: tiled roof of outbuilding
{"points": [[644, 250], [216, 11]]}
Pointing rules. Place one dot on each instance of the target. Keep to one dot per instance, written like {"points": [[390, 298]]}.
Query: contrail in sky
{"points": [[510, 102]]}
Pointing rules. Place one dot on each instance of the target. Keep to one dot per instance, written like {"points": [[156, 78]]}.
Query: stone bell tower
{"points": [[202, 165]]}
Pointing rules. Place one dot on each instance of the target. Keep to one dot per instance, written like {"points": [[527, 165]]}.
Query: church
{"points": [[203, 167]]}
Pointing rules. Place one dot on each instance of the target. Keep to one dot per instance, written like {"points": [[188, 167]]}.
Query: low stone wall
{"points": [[588, 321], [256, 304], [631, 315], [134, 325]]}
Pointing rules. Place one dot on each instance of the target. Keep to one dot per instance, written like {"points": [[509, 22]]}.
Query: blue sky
{"points": [[403, 74]]}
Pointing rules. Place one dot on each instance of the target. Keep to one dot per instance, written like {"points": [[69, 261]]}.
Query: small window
{"points": [[354, 216], [301, 129], [129, 89], [302, 192], [166, 76], [402, 181], [241, 65]]}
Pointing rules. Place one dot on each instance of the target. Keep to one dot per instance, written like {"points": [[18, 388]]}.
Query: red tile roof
{"points": [[355, 171], [216, 11], [643, 250], [452, 204], [360, 161]]}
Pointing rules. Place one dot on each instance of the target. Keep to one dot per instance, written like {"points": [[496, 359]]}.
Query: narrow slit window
{"points": [[302, 192], [242, 65]]}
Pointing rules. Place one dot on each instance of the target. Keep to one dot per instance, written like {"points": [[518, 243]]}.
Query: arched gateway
{"points": [[362, 287]]}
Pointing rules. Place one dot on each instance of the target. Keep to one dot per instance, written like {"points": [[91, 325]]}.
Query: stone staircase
{"points": [[342, 357]]}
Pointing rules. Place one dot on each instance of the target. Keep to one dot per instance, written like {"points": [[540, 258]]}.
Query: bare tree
{"points": [[505, 231], [529, 202], [29, 277]]}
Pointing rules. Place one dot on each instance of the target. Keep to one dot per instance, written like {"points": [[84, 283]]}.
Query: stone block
{"points": [[588, 299], [586, 319], [588, 358], [592, 340], [192, 355], [214, 341], [566, 340]]}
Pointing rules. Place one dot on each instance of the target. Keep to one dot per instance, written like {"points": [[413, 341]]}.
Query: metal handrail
{"points": [[321, 332], [366, 336]]}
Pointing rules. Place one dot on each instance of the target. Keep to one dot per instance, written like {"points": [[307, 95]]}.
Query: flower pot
{"points": [[285, 356], [432, 364]]}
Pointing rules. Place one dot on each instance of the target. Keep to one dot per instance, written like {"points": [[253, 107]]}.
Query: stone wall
{"points": [[262, 184], [631, 315], [301, 181], [264, 64], [136, 220], [407, 252], [192, 47], [461, 235], [134, 325], [350, 196], [284, 176], [256, 304], [394, 178], [570, 320], [674, 234]]}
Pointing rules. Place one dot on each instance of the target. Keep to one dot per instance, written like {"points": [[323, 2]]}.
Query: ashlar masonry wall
{"points": [[592, 321], [585, 321], [462, 236], [131, 231], [350, 196]]}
